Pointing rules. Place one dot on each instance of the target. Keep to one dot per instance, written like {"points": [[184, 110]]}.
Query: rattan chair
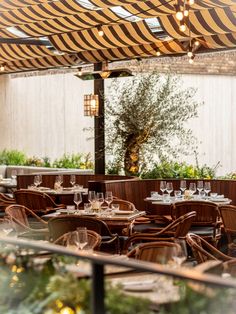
{"points": [[203, 250], [228, 216], [18, 215], [37, 201], [177, 229], [94, 240], [155, 252], [124, 205], [206, 223], [65, 223], [5, 201]]}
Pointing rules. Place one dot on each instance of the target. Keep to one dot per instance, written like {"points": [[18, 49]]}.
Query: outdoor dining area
{"points": [[148, 255]]}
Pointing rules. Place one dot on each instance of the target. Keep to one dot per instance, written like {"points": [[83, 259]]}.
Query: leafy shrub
{"points": [[171, 169], [12, 157], [74, 161], [34, 161]]}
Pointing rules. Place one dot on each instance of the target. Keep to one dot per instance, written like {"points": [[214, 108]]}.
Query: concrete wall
{"points": [[43, 116]]}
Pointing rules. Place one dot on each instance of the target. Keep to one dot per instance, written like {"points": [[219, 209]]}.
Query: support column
{"points": [[99, 125]]}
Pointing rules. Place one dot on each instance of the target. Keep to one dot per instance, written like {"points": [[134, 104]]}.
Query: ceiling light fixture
{"points": [[100, 31], [2, 67], [182, 26], [191, 60]]}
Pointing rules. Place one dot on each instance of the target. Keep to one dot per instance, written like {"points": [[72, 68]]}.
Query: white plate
{"points": [[217, 199], [139, 287], [66, 211]]}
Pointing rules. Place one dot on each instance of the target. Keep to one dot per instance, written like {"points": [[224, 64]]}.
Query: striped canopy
{"points": [[45, 34]]}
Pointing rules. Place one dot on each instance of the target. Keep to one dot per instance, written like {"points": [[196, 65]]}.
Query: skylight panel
{"points": [[13, 30]]}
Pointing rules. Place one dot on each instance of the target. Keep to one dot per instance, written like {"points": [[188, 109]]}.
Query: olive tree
{"points": [[146, 116]]}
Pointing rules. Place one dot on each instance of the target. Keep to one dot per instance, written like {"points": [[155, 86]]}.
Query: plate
{"points": [[216, 199], [123, 212], [66, 211]]}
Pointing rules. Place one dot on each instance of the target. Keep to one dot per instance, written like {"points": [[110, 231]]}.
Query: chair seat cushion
{"points": [[144, 227], [202, 230]]}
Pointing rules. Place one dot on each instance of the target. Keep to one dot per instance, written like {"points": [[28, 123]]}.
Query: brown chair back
{"points": [[37, 201], [156, 252], [203, 250], [124, 205], [18, 216], [94, 240], [206, 212]]}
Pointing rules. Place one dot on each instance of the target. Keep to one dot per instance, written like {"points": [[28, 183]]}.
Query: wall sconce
{"points": [[91, 105]]}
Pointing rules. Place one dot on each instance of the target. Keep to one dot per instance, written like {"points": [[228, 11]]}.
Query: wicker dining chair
{"points": [[19, 214], [65, 223], [37, 201], [94, 240], [228, 216], [156, 252], [176, 229], [203, 250], [5, 201], [206, 223]]}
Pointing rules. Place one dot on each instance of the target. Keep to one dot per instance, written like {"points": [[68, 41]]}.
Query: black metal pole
{"points": [[98, 306], [99, 126]]}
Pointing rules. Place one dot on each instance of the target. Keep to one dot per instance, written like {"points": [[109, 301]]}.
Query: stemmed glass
{"points": [[207, 188], [169, 187], [92, 198], [77, 200], [180, 253], [163, 187], [199, 186], [108, 197], [72, 241], [82, 237], [192, 188], [100, 199], [37, 180], [13, 174], [182, 186], [58, 182], [72, 180]]}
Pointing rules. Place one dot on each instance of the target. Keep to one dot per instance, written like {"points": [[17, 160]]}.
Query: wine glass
{"points": [[58, 182], [37, 180], [169, 187], [72, 180], [163, 186], [199, 186], [100, 198], [92, 197], [192, 188], [13, 174], [72, 241], [82, 237], [77, 200], [180, 253], [108, 197], [207, 188], [182, 186]]}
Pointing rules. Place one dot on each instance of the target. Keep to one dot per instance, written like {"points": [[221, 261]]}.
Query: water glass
{"points": [[192, 188], [169, 187], [92, 197], [13, 174], [115, 207], [207, 188], [72, 241], [202, 194], [199, 186], [72, 179], [108, 198], [100, 198], [180, 253], [88, 207], [183, 186], [163, 186], [37, 180], [77, 200], [177, 194], [82, 237]]}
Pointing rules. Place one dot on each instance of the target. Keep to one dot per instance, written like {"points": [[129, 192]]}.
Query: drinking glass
{"points": [[58, 182], [169, 187], [92, 197], [72, 180], [72, 241], [192, 188], [163, 186], [182, 186], [108, 198], [87, 207], [180, 253], [13, 174], [199, 186], [100, 198], [82, 237], [37, 180], [77, 200], [177, 194], [207, 188]]}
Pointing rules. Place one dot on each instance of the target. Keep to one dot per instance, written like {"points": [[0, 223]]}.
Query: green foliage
{"points": [[146, 117], [12, 157], [74, 161], [171, 169], [15, 157]]}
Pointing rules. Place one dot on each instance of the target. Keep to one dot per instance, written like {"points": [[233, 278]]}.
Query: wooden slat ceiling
{"points": [[33, 32]]}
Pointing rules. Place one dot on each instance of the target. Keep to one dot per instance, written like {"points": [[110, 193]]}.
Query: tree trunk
{"points": [[131, 158]]}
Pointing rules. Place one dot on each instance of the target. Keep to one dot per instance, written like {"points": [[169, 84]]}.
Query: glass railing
{"points": [[38, 277]]}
